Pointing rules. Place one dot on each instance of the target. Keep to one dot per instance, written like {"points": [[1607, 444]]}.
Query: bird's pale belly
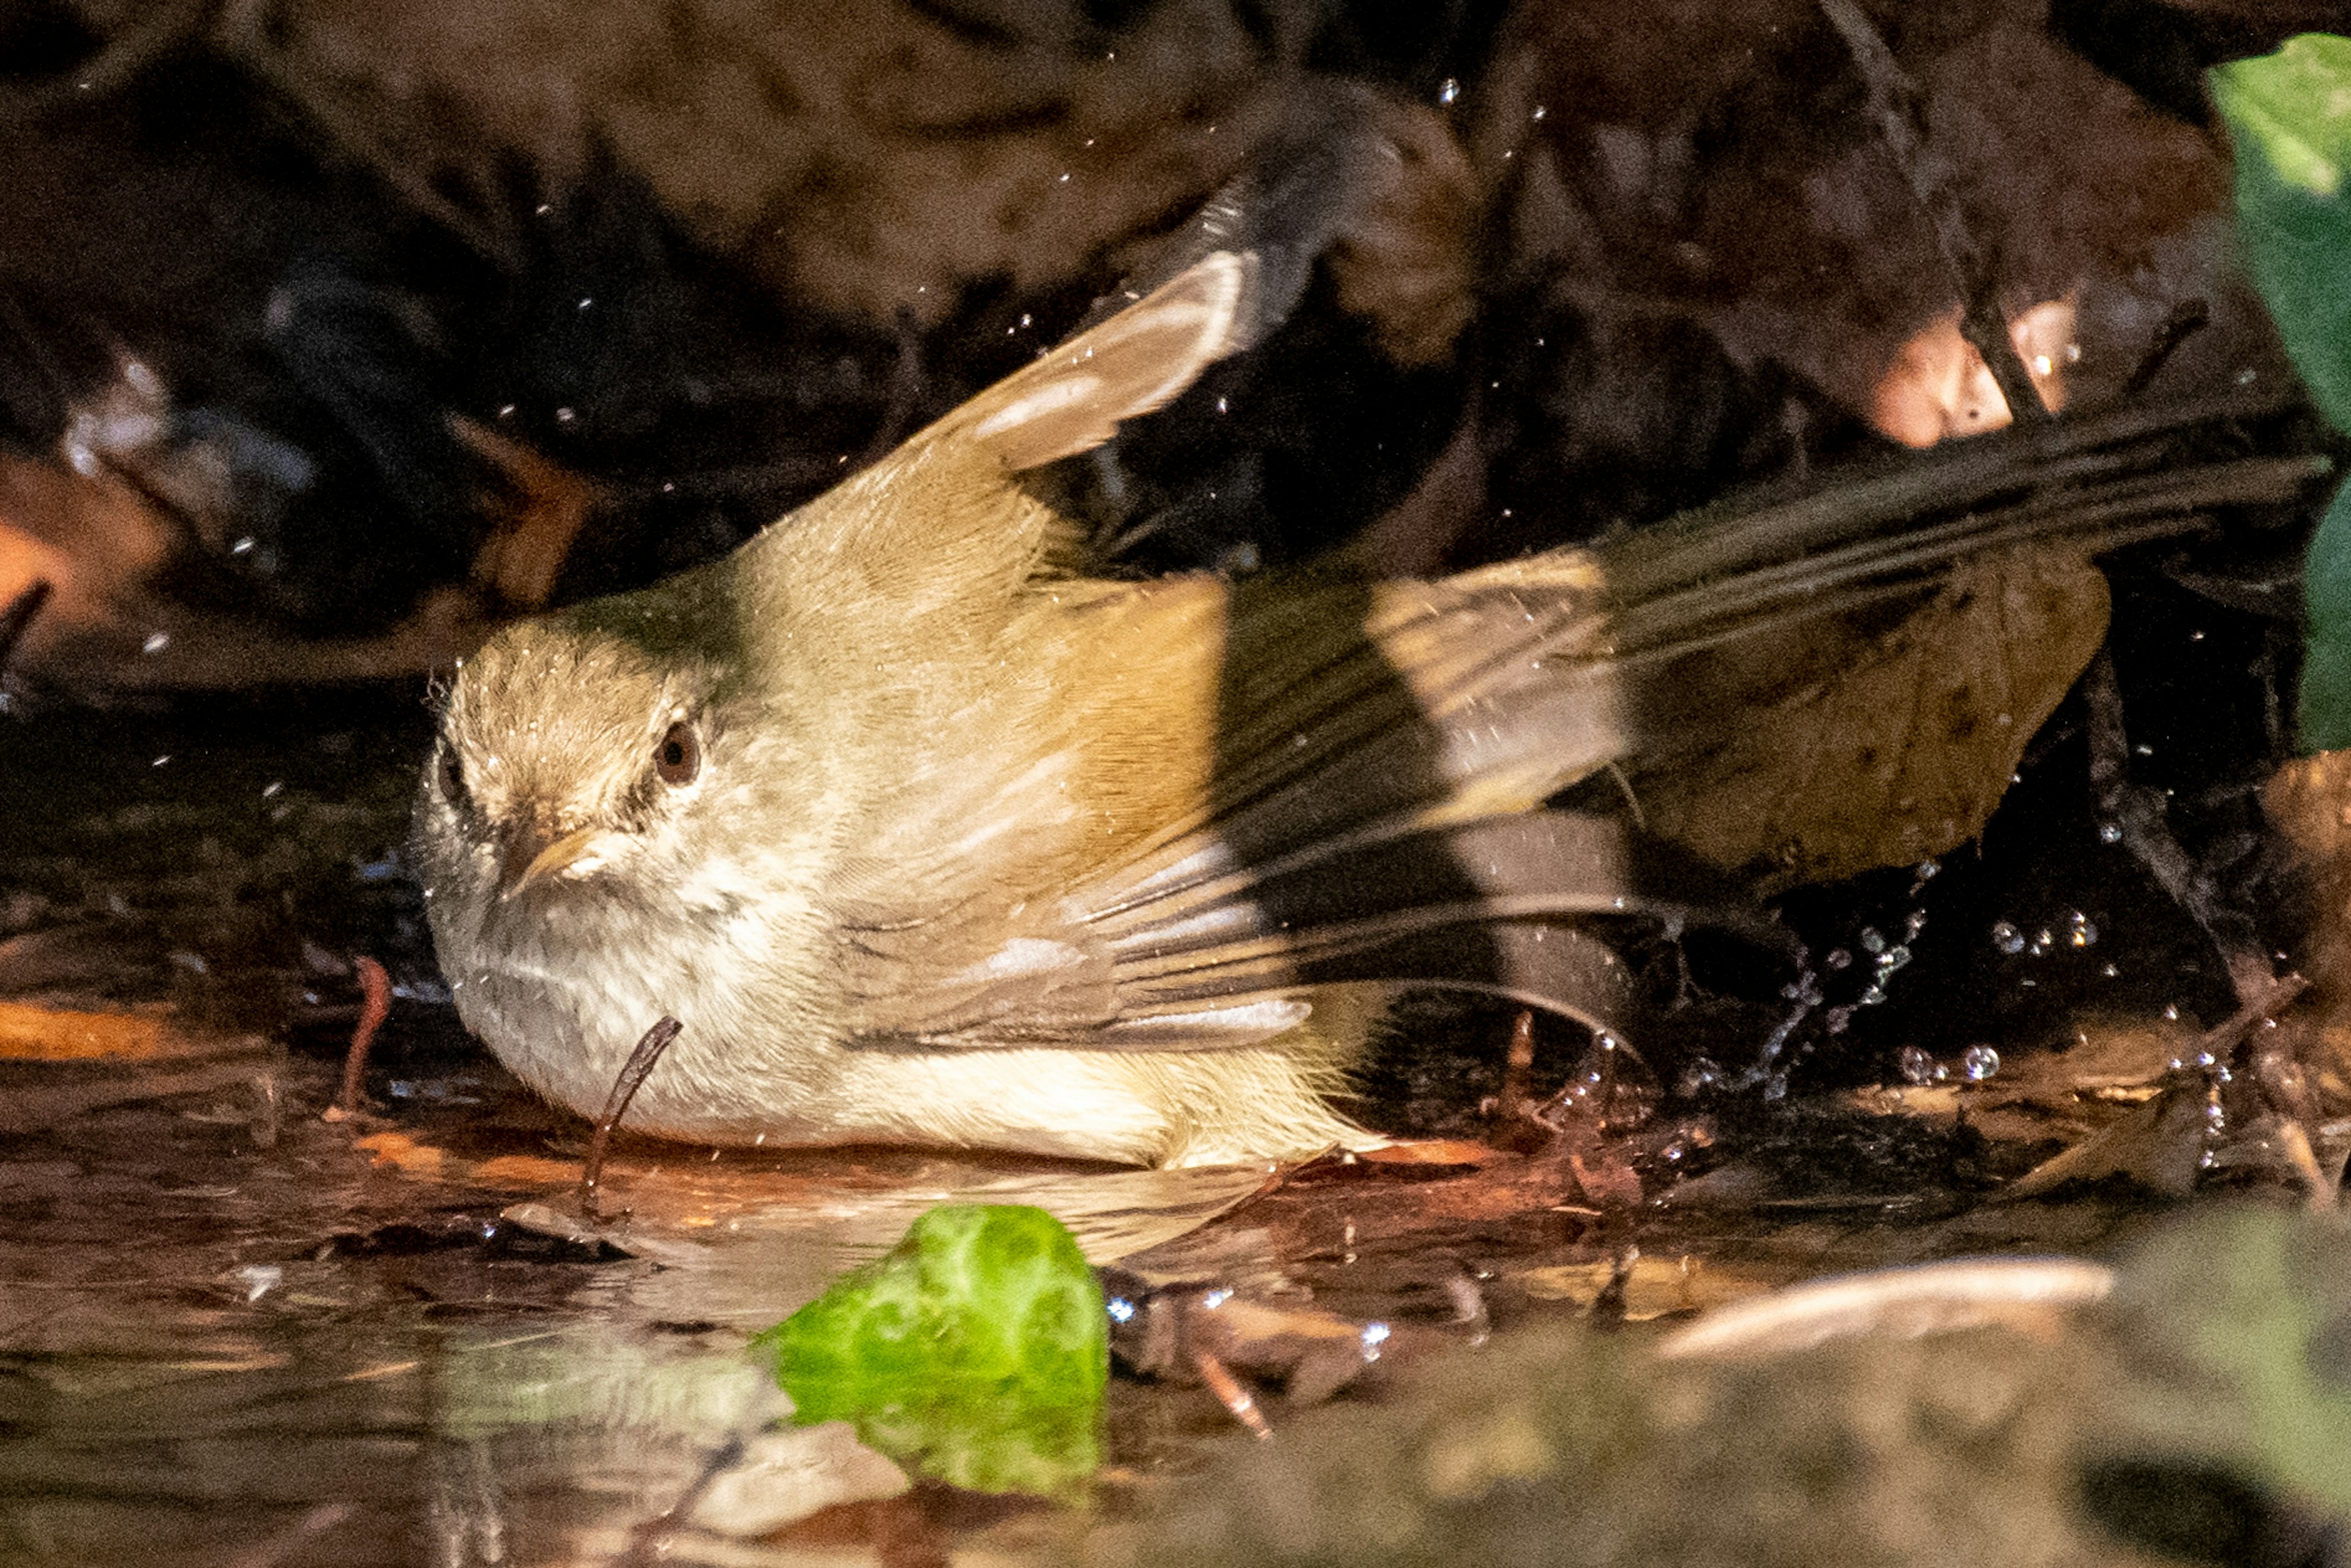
{"points": [[727, 1082]]}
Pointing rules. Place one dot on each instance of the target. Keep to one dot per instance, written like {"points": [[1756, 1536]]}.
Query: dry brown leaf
{"points": [[56, 1063], [1904, 754]]}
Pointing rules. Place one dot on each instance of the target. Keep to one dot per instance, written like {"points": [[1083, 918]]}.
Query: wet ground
{"points": [[233, 1331]]}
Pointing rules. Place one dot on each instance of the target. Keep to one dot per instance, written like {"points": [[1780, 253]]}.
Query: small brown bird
{"points": [[927, 836]]}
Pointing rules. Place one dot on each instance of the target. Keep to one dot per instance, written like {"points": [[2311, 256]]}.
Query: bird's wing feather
{"points": [[1384, 749], [1073, 398]]}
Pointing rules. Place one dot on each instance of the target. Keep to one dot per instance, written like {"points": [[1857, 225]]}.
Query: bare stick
{"points": [[18, 615], [2186, 319], [2140, 814], [634, 1074], [375, 1006], [1895, 102]]}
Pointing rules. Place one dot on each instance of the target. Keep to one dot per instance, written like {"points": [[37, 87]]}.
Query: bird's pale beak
{"points": [[539, 858]]}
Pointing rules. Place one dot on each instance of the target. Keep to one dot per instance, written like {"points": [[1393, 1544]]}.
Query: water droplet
{"points": [[1449, 91], [1702, 1073], [2007, 937], [156, 643], [2080, 930], [1892, 959], [1928, 869], [2110, 832], [2172, 1013], [1838, 958], [1871, 941], [242, 544], [2109, 971], [1915, 1065], [1775, 1088], [1979, 1062]]}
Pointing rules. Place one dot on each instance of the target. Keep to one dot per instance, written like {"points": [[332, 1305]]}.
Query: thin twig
{"points": [[2186, 318], [375, 1006], [19, 615], [1279, 1178], [1900, 110], [634, 1074], [1516, 1067], [2137, 812]]}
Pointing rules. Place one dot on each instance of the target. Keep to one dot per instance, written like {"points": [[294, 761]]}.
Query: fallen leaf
{"points": [[1904, 753]]}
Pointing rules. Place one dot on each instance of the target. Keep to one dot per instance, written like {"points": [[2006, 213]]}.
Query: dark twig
{"points": [[1516, 1067], [2139, 814], [2186, 318], [1279, 1178], [19, 615], [2271, 1000], [375, 1006], [634, 1074], [1895, 103]]}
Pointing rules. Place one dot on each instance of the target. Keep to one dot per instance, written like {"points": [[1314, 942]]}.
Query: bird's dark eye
{"points": [[678, 758], [451, 773]]}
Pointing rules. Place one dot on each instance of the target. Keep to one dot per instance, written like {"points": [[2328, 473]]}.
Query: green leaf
{"points": [[974, 1351], [2289, 115], [2325, 718], [2295, 107], [2291, 120]]}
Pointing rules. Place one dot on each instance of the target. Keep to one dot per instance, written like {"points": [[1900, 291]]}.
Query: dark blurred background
{"points": [[331, 335]]}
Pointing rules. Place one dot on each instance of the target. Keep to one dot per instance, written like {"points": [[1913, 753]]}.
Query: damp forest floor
{"points": [[232, 1331]]}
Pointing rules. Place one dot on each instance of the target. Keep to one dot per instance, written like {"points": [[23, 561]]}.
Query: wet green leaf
{"points": [[2325, 702], [974, 1351], [2289, 114]]}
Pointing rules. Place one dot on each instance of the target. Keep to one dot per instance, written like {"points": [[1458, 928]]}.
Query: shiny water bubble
{"points": [[2110, 832], [1702, 1073], [1837, 959], [1449, 91], [1979, 1062], [2007, 937], [1871, 941], [2080, 930], [1915, 1065]]}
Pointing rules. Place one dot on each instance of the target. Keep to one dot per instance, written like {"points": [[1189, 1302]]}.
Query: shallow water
{"points": [[233, 1333]]}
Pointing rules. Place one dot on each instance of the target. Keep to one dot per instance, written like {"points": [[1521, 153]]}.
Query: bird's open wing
{"points": [[1385, 751]]}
